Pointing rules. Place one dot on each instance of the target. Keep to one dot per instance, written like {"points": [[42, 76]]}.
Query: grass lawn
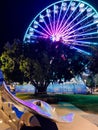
{"points": [[88, 103], [47, 98], [24, 96]]}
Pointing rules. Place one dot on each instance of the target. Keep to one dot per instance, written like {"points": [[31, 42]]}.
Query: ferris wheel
{"points": [[72, 22]]}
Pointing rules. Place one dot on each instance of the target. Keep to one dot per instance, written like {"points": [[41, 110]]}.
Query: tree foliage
{"points": [[7, 64], [9, 61], [41, 63]]}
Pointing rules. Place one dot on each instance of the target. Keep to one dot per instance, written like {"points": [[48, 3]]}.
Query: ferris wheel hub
{"points": [[56, 37]]}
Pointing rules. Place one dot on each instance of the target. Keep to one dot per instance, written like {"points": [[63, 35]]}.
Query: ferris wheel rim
{"points": [[47, 7]]}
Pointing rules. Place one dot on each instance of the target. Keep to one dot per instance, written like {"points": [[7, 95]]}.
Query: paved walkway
{"points": [[82, 120]]}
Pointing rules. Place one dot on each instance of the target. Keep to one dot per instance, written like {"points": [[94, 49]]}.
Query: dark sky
{"points": [[16, 15]]}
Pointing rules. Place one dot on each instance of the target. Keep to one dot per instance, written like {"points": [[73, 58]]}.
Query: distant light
{"points": [[64, 8], [89, 14], [64, 4], [96, 21], [73, 8], [48, 15], [82, 10], [1, 121], [55, 7], [35, 22], [48, 11], [31, 33], [95, 16], [9, 120], [89, 10], [28, 41], [55, 11], [81, 5], [13, 111], [28, 36], [13, 120], [41, 20], [41, 16], [35, 26], [73, 4], [31, 29]]}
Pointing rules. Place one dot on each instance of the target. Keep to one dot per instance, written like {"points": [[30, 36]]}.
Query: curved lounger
{"points": [[35, 106]]}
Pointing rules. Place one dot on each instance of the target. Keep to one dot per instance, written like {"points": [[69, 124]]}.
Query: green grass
{"points": [[88, 103], [48, 98], [24, 96]]}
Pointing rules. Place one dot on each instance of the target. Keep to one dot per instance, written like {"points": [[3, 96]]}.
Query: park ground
{"points": [[85, 108], [87, 103]]}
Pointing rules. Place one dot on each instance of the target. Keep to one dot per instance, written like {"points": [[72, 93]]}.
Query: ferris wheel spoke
{"points": [[54, 13], [38, 36], [62, 20], [45, 30], [66, 22], [89, 24], [47, 26], [32, 31], [59, 16], [76, 17], [86, 46], [87, 43], [70, 29], [87, 38], [88, 30], [82, 20], [41, 33], [84, 34], [50, 23], [82, 51], [80, 45], [74, 41]]}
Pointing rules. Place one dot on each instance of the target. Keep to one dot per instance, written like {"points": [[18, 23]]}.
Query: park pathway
{"points": [[82, 120]]}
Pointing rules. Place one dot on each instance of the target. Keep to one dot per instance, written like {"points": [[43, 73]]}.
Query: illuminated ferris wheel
{"points": [[72, 22]]}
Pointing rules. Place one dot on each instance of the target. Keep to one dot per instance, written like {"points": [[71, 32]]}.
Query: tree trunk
{"points": [[40, 90], [92, 90]]}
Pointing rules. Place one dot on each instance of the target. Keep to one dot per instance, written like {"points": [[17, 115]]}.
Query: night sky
{"points": [[16, 15]]}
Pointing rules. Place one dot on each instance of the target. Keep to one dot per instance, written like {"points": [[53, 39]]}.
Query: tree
{"points": [[96, 79], [7, 65], [46, 62], [9, 60], [90, 82], [41, 62], [37, 73]]}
